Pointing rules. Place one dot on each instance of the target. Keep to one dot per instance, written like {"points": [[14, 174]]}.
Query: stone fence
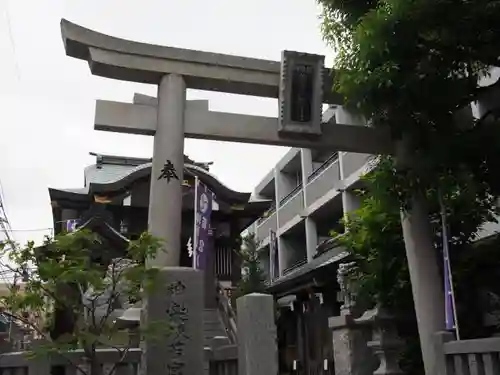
{"points": [[356, 341], [468, 357], [222, 361], [254, 354]]}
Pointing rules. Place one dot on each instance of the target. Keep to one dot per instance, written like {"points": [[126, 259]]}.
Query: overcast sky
{"points": [[47, 99]]}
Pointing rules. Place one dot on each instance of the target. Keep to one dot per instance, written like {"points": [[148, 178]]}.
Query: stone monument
{"points": [[181, 302]]}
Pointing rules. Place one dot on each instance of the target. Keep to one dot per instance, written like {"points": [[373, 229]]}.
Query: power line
{"points": [[32, 230], [4, 220], [38, 229]]}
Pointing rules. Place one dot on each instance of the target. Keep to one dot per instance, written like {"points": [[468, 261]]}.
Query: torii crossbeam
{"points": [[201, 123]]}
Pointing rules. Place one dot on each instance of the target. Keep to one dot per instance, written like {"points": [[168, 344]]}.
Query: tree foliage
{"points": [[253, 277], [411, 66], [60, 275], [380, 271], [374, 234]]}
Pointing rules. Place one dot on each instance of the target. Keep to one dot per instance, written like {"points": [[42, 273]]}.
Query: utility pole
{"points": [[4, 221]]}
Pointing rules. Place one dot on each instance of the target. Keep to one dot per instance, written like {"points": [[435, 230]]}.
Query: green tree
{"points": [[380, 271], [61, 274], [411, 66], [253, 277]]}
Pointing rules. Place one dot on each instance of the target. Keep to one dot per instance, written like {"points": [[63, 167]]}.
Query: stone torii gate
{"points": [[297, 81]]}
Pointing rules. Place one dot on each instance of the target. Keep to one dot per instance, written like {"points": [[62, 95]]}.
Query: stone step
{"points": [[212, 334], [210, 312], [213, 327], [210, 325]]}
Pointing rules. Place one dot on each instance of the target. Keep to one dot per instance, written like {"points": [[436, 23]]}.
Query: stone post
{"points": [[440, 339], [178, 300], [165, 199], [257, 342]]}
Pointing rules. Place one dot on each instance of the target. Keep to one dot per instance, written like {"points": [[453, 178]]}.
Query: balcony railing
{"points": [[268, 213], [323, 166], [224, 263], [294, 266], [328, 244], [287, 197]]}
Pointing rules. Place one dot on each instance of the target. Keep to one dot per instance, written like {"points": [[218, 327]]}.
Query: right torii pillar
{"points": [[174, 70]]}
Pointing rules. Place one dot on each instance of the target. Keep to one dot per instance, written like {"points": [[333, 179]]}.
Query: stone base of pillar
{"points": [[350, 352], [177, 300]]}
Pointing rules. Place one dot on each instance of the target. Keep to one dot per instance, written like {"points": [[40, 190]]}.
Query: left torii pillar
{"points": [[179, 296], [165, 198]]}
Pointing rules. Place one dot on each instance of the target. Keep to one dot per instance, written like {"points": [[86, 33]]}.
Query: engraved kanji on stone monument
{"points": [[178, 315]]}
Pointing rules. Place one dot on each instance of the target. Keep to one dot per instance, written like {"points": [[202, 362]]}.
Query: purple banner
{"points": [[449, 304], [72, 224], [203, 212], [449, 298]]}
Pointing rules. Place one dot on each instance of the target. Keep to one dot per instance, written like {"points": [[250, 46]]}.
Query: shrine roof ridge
{"points": [[123, 182], [130, 160]]}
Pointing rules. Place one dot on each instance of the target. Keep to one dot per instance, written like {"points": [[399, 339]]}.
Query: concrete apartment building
{"points": [[310, 191]]}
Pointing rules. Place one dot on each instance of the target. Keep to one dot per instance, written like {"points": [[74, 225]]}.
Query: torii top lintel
{"points": [[126, 60]]}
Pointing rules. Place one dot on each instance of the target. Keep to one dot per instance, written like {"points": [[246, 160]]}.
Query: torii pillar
{"points": [[165, 198], [174, 70]]}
